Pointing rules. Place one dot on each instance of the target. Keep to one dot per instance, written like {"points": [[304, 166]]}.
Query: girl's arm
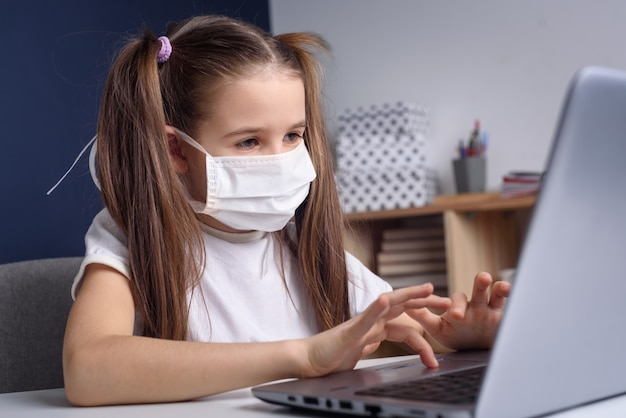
{"points": [[105, 364]]}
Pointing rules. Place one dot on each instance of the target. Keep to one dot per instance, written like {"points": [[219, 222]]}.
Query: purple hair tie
{"points": [[166, 49]]}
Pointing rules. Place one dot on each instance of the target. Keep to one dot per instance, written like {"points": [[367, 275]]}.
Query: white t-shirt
{"points": [[241, 296]]}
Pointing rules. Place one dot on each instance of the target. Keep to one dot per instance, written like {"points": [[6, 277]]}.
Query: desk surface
{"points": [[236, 404]]}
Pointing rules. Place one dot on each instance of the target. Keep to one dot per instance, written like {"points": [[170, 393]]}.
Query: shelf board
{"points": [[466, 202]]}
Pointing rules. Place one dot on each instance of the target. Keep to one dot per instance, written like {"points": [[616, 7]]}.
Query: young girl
{"points": [[210, 140]]}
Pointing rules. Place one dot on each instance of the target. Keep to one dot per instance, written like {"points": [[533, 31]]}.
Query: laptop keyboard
{"points": [[456, 388]]}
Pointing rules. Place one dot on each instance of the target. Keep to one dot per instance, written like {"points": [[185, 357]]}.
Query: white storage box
{"points": [[381, 160], [386, 119]]}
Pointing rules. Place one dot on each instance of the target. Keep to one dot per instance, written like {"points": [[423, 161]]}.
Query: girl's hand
{"points": [[341, 347], [468, 325]]}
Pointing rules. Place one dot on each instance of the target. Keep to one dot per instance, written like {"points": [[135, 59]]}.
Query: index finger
{"points": [[417, 297], [391, 304], [366, 320], [405, 294]]}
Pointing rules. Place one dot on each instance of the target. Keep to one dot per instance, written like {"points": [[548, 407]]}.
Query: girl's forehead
{"points": [[266, 73], [257, 99], [260, 88]]}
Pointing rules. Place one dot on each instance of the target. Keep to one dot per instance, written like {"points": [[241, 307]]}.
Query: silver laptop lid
{"points": [[561, 342]]}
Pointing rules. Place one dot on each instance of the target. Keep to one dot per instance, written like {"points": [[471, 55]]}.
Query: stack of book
{"points": [[520, 183], [412, 256]]}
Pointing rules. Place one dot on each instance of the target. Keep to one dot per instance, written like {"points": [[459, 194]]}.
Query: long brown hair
{"points": [[147, 199]]}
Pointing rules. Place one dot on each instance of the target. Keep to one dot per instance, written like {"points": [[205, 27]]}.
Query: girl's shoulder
{"points": [[103, 227], [106, 240]]}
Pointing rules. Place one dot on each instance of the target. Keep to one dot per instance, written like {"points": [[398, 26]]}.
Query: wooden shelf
{"points": [[482, 231], [468, 202]]}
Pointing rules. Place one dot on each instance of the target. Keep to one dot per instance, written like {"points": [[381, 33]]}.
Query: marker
{"points": [[461, 149], [485, 142]]}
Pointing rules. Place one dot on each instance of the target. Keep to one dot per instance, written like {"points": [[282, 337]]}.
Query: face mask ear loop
{"points": [[92, 163], [92, 143]]}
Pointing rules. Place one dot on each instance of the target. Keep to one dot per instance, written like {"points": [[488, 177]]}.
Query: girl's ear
{"points": [[176, 152]]}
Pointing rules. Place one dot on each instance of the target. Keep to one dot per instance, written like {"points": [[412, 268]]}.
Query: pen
{"points": [[476, 145], [484, 143], [461, 149]]}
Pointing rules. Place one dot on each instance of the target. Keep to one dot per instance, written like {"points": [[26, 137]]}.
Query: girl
{"points": [[194, 281]]}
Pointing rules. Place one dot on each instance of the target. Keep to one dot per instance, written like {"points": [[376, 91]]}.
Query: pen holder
{"points": [[470, 174]]}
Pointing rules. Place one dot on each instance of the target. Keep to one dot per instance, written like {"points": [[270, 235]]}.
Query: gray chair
{"points": [[34, 303]]}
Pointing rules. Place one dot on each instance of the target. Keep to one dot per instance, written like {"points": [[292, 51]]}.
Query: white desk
{"points": [[236, 404]]}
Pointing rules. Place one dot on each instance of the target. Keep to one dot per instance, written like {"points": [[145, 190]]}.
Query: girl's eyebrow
{"points": [[301, 124], [253, 130]]}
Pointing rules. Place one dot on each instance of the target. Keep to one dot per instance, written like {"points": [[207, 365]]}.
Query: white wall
{"points": [[505, 63]]}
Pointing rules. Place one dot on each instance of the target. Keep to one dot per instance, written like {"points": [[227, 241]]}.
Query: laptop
{"points": [[561, 340]]}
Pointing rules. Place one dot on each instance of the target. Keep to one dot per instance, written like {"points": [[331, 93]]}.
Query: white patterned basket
{"points": [[381, 158]]}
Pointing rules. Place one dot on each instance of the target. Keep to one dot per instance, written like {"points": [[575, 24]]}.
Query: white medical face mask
{"points": [[258, 193]]}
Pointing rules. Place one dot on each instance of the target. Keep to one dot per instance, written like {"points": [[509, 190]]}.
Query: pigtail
{"points": [[144, 195], [319, 219]]}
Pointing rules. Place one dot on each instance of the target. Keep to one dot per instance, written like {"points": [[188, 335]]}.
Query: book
{"points": [[439, 280], [395, 269], [522, 177], [520, 183], [410, 256], [410, 233], [521, 189], [409, 245]]}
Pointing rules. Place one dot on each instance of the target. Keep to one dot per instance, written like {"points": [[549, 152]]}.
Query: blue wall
{"points": [[54, 59]]}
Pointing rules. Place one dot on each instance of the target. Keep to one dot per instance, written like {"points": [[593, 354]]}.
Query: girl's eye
{"points": [[247, 143], [293, 137]]}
